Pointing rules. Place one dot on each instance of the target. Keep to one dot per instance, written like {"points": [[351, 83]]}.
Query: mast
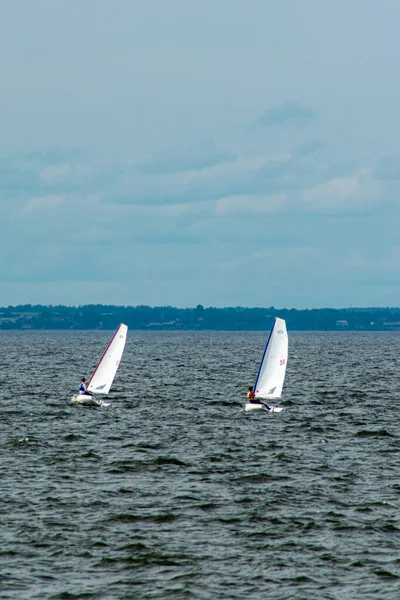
{"points": [[263, 356]]}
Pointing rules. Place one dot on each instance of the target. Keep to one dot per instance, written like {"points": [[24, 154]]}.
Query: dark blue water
{"points": [[172, 492]]}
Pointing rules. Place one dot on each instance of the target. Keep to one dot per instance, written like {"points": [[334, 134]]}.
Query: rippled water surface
{"points": [[172, 492]]}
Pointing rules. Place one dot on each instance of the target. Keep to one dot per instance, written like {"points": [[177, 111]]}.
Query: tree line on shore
{"points": [[98, 316]]}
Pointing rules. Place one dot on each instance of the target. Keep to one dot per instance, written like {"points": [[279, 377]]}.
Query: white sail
{"points": [[271, 374], [103, 375]]}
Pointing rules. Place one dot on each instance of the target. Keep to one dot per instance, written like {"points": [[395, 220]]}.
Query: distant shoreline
{"points": [[93, 317]]}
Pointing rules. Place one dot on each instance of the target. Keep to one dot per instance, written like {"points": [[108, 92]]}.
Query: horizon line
{"points": [[198, 306]]}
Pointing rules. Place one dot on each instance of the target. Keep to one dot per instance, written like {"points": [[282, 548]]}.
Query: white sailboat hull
{"points": [[86, 400], [250, 406]]}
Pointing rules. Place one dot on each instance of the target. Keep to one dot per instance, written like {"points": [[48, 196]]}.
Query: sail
{"points": [[103, 375], [271, 374]]}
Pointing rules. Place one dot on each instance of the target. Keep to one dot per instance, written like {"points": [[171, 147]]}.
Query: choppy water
{"points": [[173, 493]]}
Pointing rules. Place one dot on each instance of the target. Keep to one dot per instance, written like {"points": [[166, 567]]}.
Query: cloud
{"points": [[43, 203], [216, 212], [42, 172], [250, 205], [291, 257], [52, 173], [52, 155], [193, 158], [17, 179], [308, 148], [288, 112], [249, 183], [341, 193], [248, 173]]}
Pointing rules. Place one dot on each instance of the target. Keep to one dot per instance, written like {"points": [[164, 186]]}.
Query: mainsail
{"points": [[271, 374], [103, 375]]}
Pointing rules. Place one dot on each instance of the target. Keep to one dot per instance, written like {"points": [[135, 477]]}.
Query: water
{"points": [[173, 493]]}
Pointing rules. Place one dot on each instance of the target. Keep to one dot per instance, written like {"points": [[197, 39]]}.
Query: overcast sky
{"points": [[222, 152]]}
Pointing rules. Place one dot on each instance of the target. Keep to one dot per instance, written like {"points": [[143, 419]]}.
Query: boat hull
{"points": [[251, 406], [86, 400]]}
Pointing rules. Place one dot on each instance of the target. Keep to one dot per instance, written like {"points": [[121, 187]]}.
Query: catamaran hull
{"points": [[87, 401], [250, 406]]}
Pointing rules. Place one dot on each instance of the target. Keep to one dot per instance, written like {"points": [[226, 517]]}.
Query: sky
{"points": [[215, 152]]}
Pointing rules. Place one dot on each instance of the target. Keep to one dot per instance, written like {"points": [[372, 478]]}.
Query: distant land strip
{"points": [[169, 318]]}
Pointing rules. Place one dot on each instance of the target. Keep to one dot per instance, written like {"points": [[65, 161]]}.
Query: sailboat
{"points": [[271, 373], [102, 377]]}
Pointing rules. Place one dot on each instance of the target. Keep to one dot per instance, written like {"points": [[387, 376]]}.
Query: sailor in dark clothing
{"points": [[83, 389]]}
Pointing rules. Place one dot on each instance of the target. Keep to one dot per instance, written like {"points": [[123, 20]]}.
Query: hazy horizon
{"points": [[194, 306]]}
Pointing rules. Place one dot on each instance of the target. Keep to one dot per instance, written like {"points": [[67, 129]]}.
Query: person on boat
{"points": [[251, 398], [83, 389], [250, 394]]}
